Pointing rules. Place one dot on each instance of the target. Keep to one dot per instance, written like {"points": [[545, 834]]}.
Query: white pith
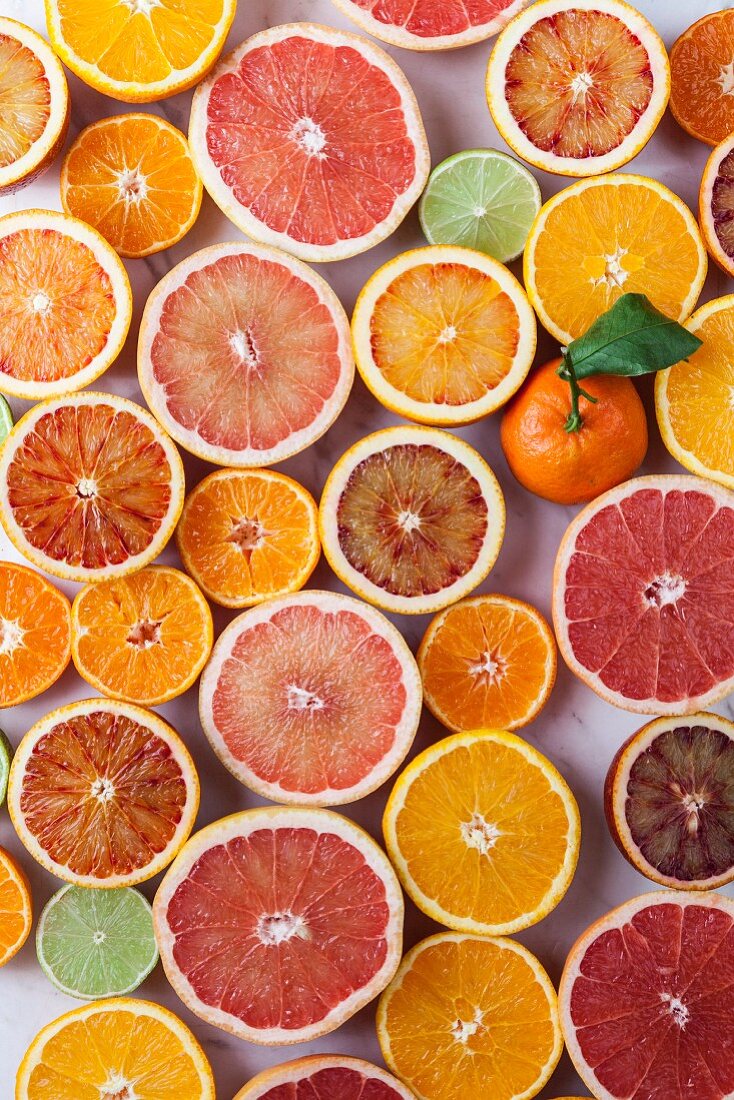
{"points": [[398, 36], [300, 1069], [711, 171], [725, 79]]}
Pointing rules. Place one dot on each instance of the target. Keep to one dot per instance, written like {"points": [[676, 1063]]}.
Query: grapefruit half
{"points": [[279, 924], [431, 24], [310, 139], [324, 1077]]}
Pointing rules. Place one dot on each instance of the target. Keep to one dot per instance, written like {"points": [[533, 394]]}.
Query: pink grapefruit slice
{"points": [[279, 924], [324, 1077], [647, 1000], [244, 355], [311, 699], [310, 139], [431, 24], [643, 601]]}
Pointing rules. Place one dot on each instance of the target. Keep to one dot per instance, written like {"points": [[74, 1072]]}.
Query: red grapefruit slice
{"points": [[647, 1000], [324, 1077], [643, 601], [279, 924], [311, 699], [310, 139], [431, 24], [244, 355]]}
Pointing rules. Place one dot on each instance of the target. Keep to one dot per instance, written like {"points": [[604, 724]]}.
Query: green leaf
{"points": [[630, 339]]}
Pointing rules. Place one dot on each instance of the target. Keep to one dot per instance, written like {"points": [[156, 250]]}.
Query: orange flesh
{"points": [[15, 907], [702, 77], [35, 634], [25, 99], [434, 18]]}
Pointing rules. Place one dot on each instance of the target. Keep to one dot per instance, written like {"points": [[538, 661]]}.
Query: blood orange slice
{"points": [[716, 202], [431, 24], [647, 1001], [244, 355], [642, 603], [279, 924], [310, 139], [311, 699], [102, 793], [324, 1077], [90, 486]]}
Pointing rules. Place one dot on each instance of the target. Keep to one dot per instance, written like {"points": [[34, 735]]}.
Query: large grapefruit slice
{"points": [[310, 139], [324, 1077], [244, 355], [279, 924], [312, 699], [431, 24], [647, 1000], [643, 599]]}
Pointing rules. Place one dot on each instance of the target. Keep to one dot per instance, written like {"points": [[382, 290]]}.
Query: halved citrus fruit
{"points": [[311, 699], [244, 355], [133, 179], [470, 1016], [642, 595], [578, 87], [258, 918], [90, 486], [310, 139], [702, 78], [647, 1003], [716, 202], [431, 24], [602, 238], [143, 638], [669, 801], [248, 535], [15, 907], [115, 1050], [65, 304], [102, 793], [443, 335], [139, 50], [693, 399], [484, 833], [324, 1077], [35, 633], [411, 519], [34, 105], [487, 662]]}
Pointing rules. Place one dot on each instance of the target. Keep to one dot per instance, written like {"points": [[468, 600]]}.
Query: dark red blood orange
{"points": [[324, 1077]]}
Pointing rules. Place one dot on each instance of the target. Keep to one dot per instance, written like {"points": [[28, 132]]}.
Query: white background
{"points": [[577, 731]]}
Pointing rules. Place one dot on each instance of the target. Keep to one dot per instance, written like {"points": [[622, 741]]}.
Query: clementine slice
{"points": [[702, 78], [35, 634], [15, 907], [142, 638]]}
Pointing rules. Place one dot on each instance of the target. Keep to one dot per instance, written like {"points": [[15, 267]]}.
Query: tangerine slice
{"points": [[35, 634], [15, 907], [324, 1077], [431, 24], [702, 78], [716, 204], [102, 793]]}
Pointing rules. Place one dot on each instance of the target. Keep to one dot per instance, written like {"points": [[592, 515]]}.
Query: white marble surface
{"points": [[577, 731]]}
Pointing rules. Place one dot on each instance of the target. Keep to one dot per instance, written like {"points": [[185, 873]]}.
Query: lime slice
{"points": [[6, 755], [6, 418], [96, 943], [481, 199]]}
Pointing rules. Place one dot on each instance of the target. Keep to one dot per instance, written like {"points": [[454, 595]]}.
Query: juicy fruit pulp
{"points": [[15, 907], [25, 100], [702, 78], [722, 204], [432, 19], [324, 1077], [35, 634]]}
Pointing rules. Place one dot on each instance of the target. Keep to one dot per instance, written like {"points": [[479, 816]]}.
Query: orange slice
{"points": [[65, 304], [102, 793], [248, 535], [602, 238], [133, 179], [15, 907], [34, 105], [90, 486], [139, 50], [35, 634], [702, 78], [443, 335], [117, 1049], [489, 661], [468, 1017], [716, 204], [143, 638], [483, 832]]}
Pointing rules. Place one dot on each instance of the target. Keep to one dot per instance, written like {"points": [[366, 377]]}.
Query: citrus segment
{"points": [[15, 907], [443, 335], [102, 793], [65, 304], [412, 519], [310, 139], [313, 699], [487, 662], [642, 587], [469, 1016], [324, 1077], [430, 24], [35, 634], [90, 486], [244, 355], [133, 179], [142, 638], [716, 204], [702, 72], [602, 238], [257, 921]]}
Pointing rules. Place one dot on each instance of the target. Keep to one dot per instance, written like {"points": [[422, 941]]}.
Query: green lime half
{"points": [[6, 418], [6, 755], [96, 943], [481, 199]]}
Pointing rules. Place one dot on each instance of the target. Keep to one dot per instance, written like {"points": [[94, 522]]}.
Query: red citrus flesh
{"points": [[435, 18], [722, 204], [337, 1083]]}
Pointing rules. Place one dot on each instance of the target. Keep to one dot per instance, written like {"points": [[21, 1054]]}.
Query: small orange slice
{"points": [[35, 633], [702, 78], [248, 535], [143, 638], [489, 661], [15, 907], [133, 179]]}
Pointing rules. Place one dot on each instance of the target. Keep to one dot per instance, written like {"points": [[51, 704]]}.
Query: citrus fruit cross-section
{"points": [[702, 77], [430, 24], [324, 1077], [716, 204], [35, 633]]}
